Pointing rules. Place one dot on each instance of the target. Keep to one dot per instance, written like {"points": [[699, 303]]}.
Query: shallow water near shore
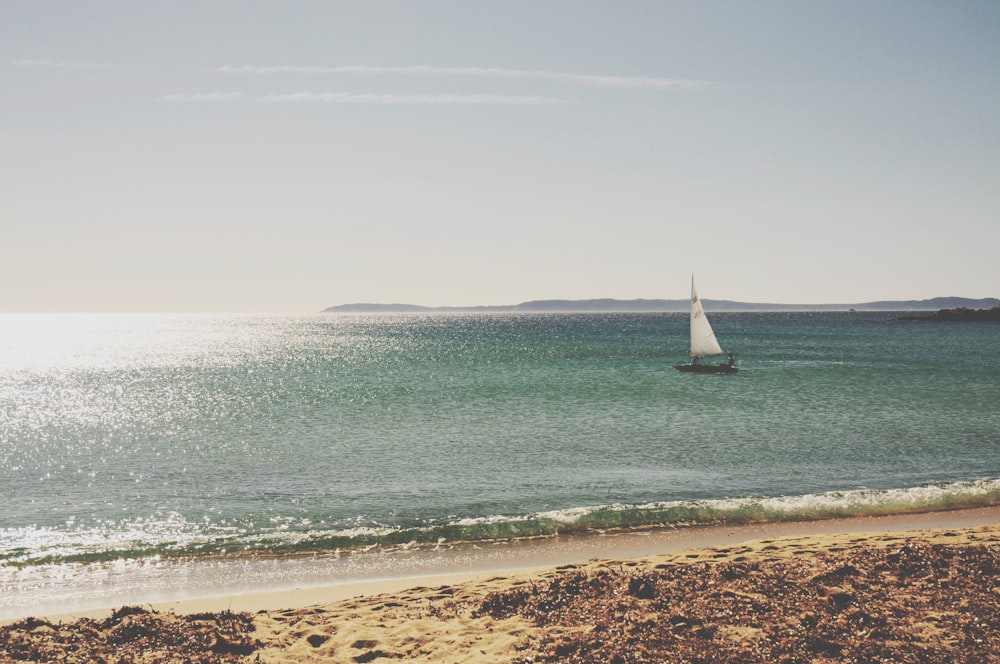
{"points": [[129, 440]]}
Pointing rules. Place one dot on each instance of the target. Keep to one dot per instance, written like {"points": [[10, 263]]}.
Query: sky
{"points": [[248, 156]]}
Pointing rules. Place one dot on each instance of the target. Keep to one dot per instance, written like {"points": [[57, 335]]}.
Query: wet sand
{"points": [[918, 588]]}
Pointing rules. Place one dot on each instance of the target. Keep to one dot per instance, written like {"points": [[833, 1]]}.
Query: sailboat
{"points": [[703, 342]]}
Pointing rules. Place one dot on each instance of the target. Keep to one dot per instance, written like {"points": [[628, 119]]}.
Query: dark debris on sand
{"points": [[917, 603], [132, 634]]}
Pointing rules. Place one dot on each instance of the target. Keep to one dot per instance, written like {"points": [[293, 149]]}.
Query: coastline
{"points": [[868, 589], [313, 580]]}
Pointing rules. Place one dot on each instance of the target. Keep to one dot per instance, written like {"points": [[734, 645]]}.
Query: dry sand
{"points": [[869, 593]]}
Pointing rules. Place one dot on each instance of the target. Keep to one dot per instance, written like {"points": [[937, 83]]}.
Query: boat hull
{"points": [[707, 368]]}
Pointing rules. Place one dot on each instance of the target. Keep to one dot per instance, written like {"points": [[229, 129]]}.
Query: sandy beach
{"points": [[920, 588]]}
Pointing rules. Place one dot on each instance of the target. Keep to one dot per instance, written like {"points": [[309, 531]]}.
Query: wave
{"points": [[175, 537]]}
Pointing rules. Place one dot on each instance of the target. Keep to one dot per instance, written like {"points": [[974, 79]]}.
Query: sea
{"points": [[138, 451]]}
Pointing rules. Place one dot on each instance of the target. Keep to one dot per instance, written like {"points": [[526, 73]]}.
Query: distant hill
{"points": [[961, 315], [612, 305]]}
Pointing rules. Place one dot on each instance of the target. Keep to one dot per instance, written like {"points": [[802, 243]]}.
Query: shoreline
{"points": [[300, 582], [860, 592]]}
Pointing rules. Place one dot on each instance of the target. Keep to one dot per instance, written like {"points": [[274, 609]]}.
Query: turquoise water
{"points": [[123, 437]]}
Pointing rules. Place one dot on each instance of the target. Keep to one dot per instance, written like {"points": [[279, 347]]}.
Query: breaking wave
{"points": [[174, 536]]}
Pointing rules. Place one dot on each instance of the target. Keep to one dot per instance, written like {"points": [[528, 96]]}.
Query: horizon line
{"points": [[676, 302]]}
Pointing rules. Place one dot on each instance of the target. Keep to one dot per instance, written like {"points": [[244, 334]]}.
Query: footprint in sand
{"points": [[316, 640]]}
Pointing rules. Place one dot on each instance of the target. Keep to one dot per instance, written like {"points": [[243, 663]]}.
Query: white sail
{"points": [[703, 341]]}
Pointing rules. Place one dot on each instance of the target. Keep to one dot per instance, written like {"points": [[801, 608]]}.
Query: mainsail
{"points": [[703, 341]]}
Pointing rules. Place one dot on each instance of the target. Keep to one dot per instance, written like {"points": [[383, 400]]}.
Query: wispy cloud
{"points": [[62, 64], [205, 96], [587, 80], [430, 99]]}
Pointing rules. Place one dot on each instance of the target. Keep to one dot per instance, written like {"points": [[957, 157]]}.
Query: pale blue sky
{"points": [[287, 156]]}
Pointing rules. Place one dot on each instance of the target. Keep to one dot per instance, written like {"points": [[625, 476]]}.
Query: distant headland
{"points": [[640, 305], [960, 315]]}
